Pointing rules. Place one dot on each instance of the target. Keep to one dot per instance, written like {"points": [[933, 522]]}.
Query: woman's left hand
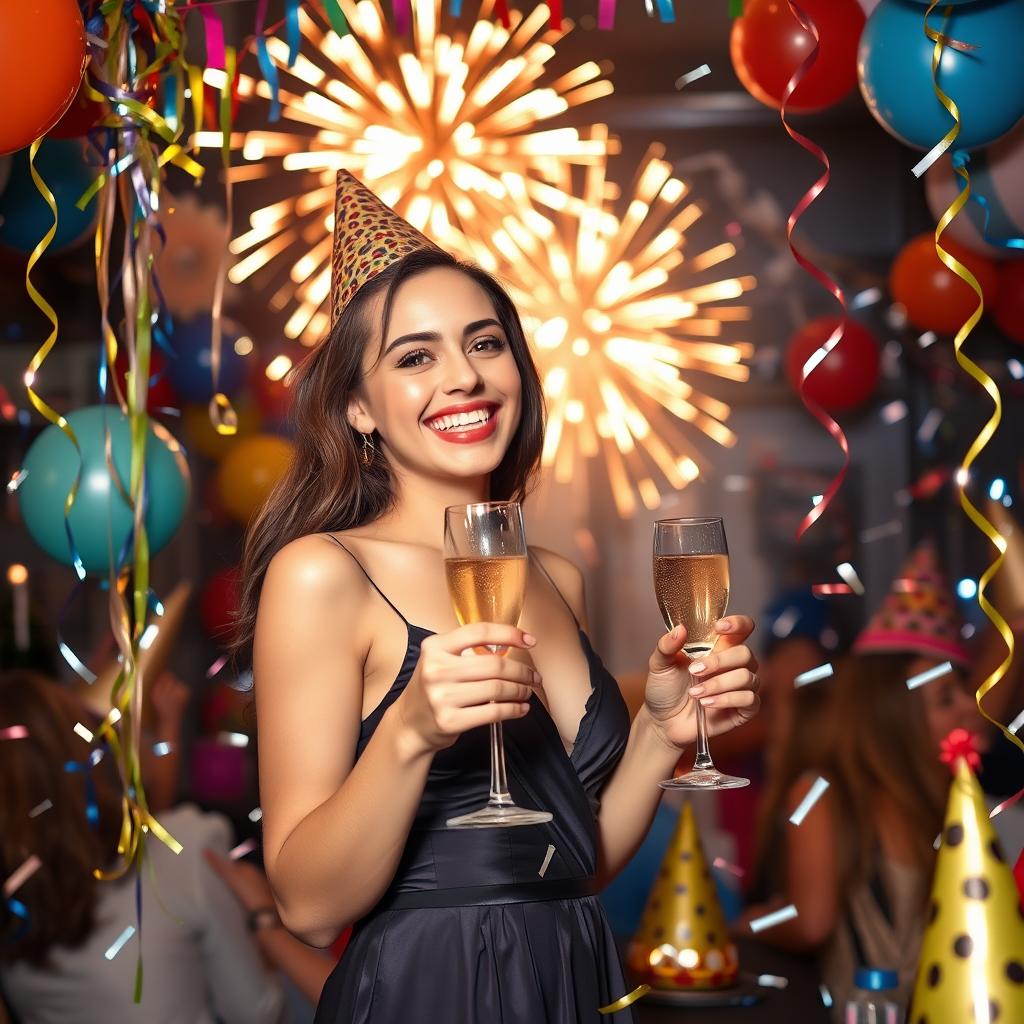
{"points": [[724, 681]]}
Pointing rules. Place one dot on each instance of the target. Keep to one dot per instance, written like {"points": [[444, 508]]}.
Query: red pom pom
{"points": [[959, 743]]}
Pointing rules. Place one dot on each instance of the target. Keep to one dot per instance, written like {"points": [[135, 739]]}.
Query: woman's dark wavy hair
{"points": [[328, 487]]}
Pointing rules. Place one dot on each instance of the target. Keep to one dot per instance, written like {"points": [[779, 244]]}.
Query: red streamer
{"points": [[816, 272]]}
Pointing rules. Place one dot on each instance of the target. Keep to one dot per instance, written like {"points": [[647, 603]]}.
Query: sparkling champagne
{"points": [[692, 591], [487, 589]]}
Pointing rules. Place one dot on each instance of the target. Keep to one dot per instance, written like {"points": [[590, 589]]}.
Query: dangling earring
{"points": [[369, 450]]}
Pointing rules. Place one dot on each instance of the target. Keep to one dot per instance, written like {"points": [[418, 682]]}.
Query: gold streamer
{"points": [[627, 1000], [987, 383]]}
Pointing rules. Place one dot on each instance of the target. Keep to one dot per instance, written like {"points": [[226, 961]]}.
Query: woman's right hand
{"points": [[450, 693]]}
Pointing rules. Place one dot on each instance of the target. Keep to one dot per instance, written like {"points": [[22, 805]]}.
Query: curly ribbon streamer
{"points": [[990, 388], [816, 272], [627, 1000], [961, 158], [336, 16]]}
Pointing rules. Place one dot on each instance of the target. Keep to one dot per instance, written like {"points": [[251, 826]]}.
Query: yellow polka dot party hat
{"points": [[972, 959], [682, 942], [368, 237]]}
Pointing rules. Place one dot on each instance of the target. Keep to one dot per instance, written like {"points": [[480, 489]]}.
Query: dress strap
{"points": [[540, 565], [369, 578]]}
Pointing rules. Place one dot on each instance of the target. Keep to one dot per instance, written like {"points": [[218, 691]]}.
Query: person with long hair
{"points": [[858, 866], [424, 396], [59, 955]]}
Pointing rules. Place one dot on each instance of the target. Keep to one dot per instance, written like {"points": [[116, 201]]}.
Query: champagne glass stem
{"points": [[499, 784], [703, 758]]}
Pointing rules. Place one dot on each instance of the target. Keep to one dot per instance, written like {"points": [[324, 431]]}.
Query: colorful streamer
{"points": [[986, 382], [627, 1000], [816, 272]]}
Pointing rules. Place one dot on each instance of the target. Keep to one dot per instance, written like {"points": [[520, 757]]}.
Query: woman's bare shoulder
{"points": [[567, 576], [314, 567]]}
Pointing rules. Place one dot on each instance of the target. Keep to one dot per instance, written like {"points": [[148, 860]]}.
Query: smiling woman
{"points": [[424, 396]]}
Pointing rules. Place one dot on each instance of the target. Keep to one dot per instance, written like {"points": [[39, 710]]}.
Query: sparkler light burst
{"points": [[439, 126], [622, 321]]}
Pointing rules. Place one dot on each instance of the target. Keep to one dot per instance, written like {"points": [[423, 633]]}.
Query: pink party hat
{"points": [[919, 615]]}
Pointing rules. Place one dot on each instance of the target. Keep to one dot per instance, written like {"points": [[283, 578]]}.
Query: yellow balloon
{"points": [[248, 472], [204, 439]]}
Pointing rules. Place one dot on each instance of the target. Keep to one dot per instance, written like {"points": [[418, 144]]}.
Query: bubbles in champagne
{"points": [[692, 591], [487, 589]]}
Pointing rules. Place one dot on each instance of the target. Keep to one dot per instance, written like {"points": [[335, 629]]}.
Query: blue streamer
{"points": [[292, 30], [92, 810], [666, 12], [270, 77], [455, 8], [19, 909]]}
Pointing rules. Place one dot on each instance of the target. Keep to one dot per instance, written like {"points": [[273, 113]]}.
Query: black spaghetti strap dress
{"points": [[496, 926]]}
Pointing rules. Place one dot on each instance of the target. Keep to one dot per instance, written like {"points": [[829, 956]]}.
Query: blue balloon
{"points": [[51, 464], [24, 214], [189, 368], [894, 65]]}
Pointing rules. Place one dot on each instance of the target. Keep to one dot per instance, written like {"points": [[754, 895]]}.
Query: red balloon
{"points": [[1008, 309], [935, 298], [78, 118], [271, 379], [768, 44], [847, 376], [161, 393], [42, 57], [218, 605]]}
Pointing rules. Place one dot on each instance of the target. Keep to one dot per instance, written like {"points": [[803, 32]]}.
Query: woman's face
{"points": [[445, 394], [948, 706]]}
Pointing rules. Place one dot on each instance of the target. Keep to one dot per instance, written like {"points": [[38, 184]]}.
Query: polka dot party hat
{"points": [[919, 615], [682, 942], [972, 957], [368, 237]]}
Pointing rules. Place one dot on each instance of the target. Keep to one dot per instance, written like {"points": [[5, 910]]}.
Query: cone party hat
{"points": [[972, 957], [1007, 592], [919, 614], [368, 237], [683, 942]]}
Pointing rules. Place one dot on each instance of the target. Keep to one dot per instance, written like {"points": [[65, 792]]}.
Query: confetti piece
{"points": [[926, 677], [893, 412], [938, 842], [1006, 803], [868, 297], [14, 732], [809, 800], [826, 996], [256, 814], [723, 865], [692, 76], [233, 739], [16, 481], [216, 666], [827, 589], [83, 732], [759, 924], [148, 635], [119, 942], [1016, 724], [547, 860], [163, 748], [772, 981], [244, 847], [40, 808], [1016, 368], [814, 674], [930, 423], [848, 573], [880, 532], [784, 622], [927, 339], [19, 876]]}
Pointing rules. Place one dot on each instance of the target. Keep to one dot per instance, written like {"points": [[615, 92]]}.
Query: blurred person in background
{"points": [[201, 950]]}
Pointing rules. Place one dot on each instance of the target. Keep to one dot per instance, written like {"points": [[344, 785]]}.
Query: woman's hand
{"points": [[724, 681], [450, 693]]}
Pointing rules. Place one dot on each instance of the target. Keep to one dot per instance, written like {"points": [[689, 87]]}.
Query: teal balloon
{"points": [[50, 466], [25, 216], [894, 67]]}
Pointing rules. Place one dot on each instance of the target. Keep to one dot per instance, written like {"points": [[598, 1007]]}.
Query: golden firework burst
{"points": [[437, 124], [623, 320]]}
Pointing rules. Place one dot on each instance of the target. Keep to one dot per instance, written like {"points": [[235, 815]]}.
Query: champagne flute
{"points": [[691, 583], [485, 562]]}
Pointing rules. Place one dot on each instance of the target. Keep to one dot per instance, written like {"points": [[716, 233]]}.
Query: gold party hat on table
{"points": [[368, 237], [972, 958], [683, 942]]}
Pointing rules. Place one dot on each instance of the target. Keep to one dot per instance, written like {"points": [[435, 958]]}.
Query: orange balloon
{"points": [[249, 471], [42, 57], [935, 298], [203, 437]]}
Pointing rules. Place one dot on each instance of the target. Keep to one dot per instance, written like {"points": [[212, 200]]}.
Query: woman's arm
{"points": [[812, 877], [335, 827]]}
